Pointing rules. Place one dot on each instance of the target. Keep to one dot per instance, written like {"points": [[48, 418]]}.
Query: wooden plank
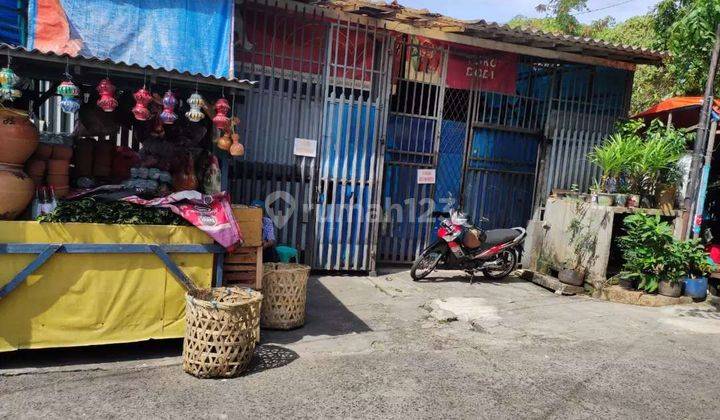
{"points": [[48, 252], [552, 283], [250, 221], [246, 258], [245, 277], [174, 269]]}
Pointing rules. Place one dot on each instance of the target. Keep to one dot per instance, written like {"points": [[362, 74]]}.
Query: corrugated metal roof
{"points": [[423, 18], [111, 65]]}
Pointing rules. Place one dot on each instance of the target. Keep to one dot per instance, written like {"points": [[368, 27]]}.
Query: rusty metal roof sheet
{"points": [[120, 66], [423, 18]]}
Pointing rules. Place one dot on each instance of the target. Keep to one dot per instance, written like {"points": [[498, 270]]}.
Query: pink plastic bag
{"points": [[210, 213]]}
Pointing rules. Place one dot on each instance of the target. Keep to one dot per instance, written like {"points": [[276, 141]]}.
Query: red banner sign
{"points": [[491, 71]]}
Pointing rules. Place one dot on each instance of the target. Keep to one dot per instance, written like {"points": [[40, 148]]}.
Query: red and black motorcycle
{"points": [[463, 246]]}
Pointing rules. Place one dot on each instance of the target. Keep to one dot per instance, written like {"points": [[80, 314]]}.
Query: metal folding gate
{"points": [[502, 153], [358, 68], [413, 139]]}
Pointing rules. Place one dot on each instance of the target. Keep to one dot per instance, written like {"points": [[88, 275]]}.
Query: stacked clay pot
{"points": [[58, 170], [18, 140], [50, 165]]}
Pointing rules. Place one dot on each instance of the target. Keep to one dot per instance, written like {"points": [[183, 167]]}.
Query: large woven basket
{"points": [[285, 294], [221, 329]]}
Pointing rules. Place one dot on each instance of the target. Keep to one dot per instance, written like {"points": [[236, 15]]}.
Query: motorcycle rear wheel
{"points": [[425, 264], [509, 258]]}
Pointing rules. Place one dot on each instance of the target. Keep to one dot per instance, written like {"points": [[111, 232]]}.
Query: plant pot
{"points": [[696, 288], [18, 136], [633, 200], [670, 288], [665, 197], [606, 199], [621, 199], [627, 284], [58, 181], [713, 286], [43, 151], [35, 167], [572, 277], [62, 152], [58, 167], [16, 192]]}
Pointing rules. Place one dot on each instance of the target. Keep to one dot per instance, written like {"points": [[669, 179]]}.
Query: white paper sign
{"points": [[426, 176], [305, 147]]}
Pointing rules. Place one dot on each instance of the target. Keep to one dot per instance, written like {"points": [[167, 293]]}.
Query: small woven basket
{"points": [[285, 294], [221, 329]]}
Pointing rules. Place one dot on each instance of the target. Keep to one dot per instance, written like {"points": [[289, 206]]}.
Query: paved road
{"points": [[370, 350]]}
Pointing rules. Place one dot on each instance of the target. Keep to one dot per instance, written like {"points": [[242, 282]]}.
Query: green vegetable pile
{"points": [[90, 210]]}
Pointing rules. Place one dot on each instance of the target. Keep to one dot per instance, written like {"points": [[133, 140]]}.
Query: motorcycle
{"points": [[463, 246]]}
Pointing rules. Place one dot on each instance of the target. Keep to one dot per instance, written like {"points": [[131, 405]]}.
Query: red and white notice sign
{"points": [[426, 176]]}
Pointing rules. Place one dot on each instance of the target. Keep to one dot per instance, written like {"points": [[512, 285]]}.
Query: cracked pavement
{"points": [[370, 349]]}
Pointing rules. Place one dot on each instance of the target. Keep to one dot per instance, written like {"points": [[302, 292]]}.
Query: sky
{"points": [[503, 10]]}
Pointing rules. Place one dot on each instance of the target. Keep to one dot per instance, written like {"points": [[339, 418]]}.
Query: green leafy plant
{"points": [[90, 210], [689, 259], [637, 157], [646, 250]]}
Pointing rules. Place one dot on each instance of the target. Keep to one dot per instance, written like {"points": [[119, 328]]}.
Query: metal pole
{"points": [[702, 130]]}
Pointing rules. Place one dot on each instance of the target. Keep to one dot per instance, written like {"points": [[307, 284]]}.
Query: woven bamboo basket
{"points": [[222, 327], [285, 294]]}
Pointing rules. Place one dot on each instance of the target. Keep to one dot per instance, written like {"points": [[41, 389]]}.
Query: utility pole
{"points": [[701, 138]]}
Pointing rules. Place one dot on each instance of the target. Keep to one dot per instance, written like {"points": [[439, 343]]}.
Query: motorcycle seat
{"points": [[499, 236]]}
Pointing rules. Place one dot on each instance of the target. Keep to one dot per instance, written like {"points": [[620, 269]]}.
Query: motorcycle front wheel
{"points": [[425, 264], [508, 261]]}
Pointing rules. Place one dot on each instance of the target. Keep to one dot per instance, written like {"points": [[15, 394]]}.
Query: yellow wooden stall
{"points": [[87, 299]]}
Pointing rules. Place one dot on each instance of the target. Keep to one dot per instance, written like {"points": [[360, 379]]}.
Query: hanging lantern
{"points": [[69, 105], [168, 115], [221, 120], [142, 100], [8, 79], [67, 89], [196, 103], [107, 101]]}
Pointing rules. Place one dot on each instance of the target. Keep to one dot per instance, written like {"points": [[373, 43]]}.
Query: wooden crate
{"points": [[250, 221], [244, 267]]}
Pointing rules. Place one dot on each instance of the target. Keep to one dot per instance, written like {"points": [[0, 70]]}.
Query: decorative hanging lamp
{"points": [[142, 100], [221, 120], [107, 101], [168, 115], [196, 102], [8, 79]]}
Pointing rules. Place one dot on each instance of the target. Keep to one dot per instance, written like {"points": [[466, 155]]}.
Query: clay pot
{"points": [[62, 152], [43, 151], [572, 277], [58, 167], [61, 192], [18, 137], [16, 192], [58, 181], [35, 167]]}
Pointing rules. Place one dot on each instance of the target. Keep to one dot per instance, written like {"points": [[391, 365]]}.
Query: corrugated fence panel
{"points": [[500, 178]]}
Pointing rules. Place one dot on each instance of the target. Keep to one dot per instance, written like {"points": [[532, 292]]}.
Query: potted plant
{"points": [[646, 251], [697, 267]]}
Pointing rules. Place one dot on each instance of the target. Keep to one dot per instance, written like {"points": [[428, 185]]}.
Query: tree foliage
{"points": [[684, 28]]}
